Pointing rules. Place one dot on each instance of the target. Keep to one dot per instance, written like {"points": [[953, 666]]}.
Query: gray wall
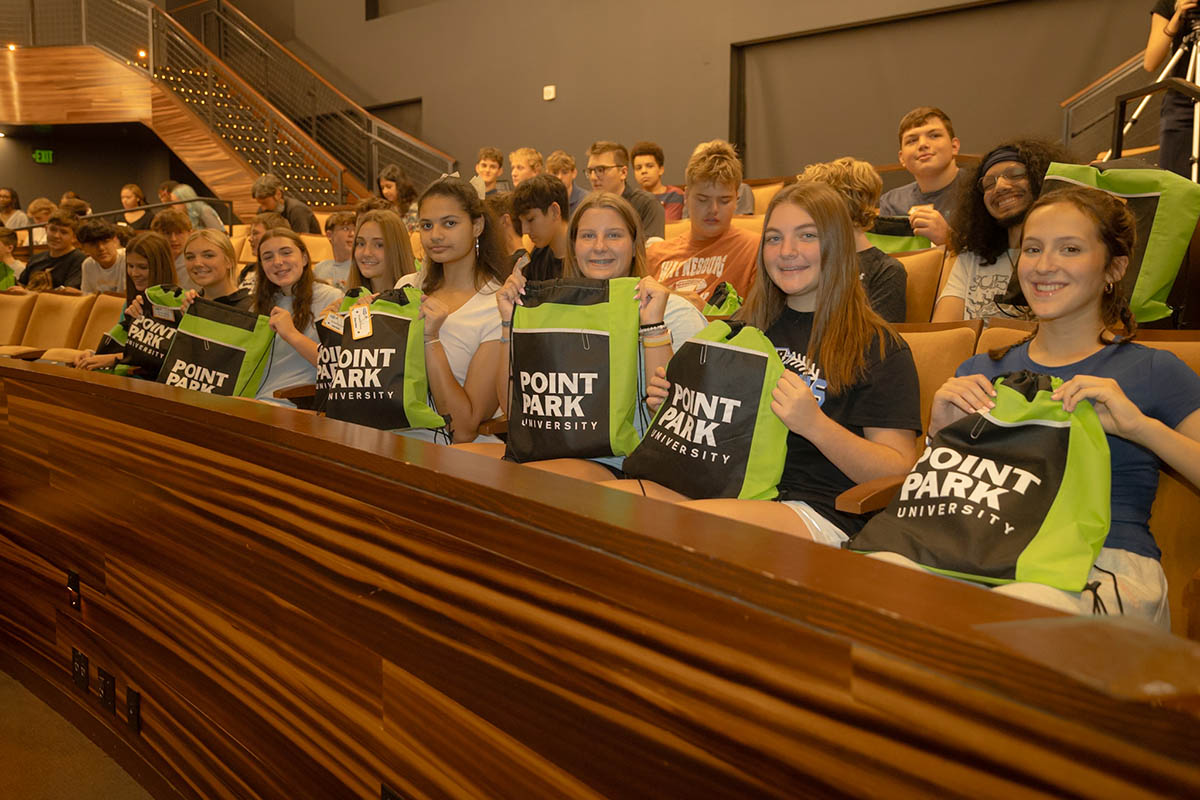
{"points": [[625, 70]]}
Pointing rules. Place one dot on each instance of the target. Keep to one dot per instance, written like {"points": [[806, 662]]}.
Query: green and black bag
{"points": [[716, 435], [377, 377], [149, 336], [573, 392], [1165, 207], [219, 349], [724, 302], [8, 278], [329, 343], [1018, 493], [895, 235]]}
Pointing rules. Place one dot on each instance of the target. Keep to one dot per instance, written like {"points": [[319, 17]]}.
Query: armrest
{"points": [[870, 496], [1191, 606], [28, 354], [293, 392], [494, 426]]}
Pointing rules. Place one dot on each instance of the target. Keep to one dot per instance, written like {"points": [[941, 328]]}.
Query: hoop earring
{"points": [[1108, 287], [477, 249]]}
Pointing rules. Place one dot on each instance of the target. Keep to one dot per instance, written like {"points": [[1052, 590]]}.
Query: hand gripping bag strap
{"points": [[1019, 493], [715, 435], [220, 350], [574, 370], [379, 380], [1166, 207], [150, 336]]}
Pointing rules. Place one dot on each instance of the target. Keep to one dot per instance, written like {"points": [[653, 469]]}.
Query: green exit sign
{"points": [[43, 156]]}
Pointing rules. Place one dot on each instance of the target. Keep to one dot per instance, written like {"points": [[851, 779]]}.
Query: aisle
{"points": [[47, 758]]}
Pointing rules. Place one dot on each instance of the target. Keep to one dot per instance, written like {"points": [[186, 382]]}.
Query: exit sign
{"points": [[43, 156]]}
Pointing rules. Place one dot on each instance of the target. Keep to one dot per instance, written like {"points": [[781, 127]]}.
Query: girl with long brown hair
{"points": [[1075, 248], [849, 396], [285, 291]]}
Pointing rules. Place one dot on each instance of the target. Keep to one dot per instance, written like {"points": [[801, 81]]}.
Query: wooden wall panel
{"points": [[70, 85], [311, 608]]}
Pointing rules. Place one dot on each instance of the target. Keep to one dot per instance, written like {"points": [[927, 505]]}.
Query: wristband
{"points": [[505, 339], [504, 324], [656, 341], [431, 341]]}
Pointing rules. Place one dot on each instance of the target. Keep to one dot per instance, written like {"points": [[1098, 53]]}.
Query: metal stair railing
{"points": [[358, 139], [144, 37], [1088, 114]]}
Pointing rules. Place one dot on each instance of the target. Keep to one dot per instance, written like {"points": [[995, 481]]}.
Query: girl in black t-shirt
{"points": [[849, 398]]}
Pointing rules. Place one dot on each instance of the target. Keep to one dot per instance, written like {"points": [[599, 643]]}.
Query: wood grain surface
{"points": [[311, 608]]}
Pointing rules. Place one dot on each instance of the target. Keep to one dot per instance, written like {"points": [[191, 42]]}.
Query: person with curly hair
{"points": [[987, 226]]}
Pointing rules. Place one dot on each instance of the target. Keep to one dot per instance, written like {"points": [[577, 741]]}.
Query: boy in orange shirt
{"points": [[712, 251]]}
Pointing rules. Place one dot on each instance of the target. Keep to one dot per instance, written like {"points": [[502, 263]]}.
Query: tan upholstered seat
{"points": [[319, 247], [105, 313], [15, 309], [753, 223], [763, 195], [937, 349], [1002, 332], [414, 239], [923, 268], [57, 321]]}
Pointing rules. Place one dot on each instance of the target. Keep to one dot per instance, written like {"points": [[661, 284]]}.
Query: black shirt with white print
{"points": [[887, 396]]}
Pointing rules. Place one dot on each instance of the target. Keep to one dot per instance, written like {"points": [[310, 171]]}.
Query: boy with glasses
{"points": [[607, 170], [987, 228]]}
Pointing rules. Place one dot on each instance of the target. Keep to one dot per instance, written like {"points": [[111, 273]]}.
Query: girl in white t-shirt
{"points": [[465, 266]]}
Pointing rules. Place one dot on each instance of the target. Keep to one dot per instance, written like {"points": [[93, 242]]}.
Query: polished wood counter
{"points": [[310, 609]]}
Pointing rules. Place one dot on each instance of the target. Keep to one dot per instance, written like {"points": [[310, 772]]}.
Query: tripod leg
{"points": [[1191, 76], [1137, 112]]}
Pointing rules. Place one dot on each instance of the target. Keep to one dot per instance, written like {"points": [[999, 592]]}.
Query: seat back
{"points": [[246, 253], [321, 217], [57, 320], [937, 350], [923, 268], [239, 229], [15, 310], [414, 239], [754, 223], [1002, 332], [105, 313], [319, 248], [238, 240], [677, 228], [763, 195]]}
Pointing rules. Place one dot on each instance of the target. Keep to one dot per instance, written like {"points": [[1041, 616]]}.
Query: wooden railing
{"points": [[310, 609]]}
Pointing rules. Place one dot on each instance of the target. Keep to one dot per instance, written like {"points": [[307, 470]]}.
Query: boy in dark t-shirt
{"points": [[538, 203], [887, 396], [63, 262]]}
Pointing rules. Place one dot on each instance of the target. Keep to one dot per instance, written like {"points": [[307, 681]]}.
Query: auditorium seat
{"points": [[414, 239], [923, 268], [763, 195], [676, 228], [239, 230], [937, 349], [321, 217], [239, 243], [1002, 332], [105, 313], [319, 248], [57, 321], [753, 223], [15, 308]]}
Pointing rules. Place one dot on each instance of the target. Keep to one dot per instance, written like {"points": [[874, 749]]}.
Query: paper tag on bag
{"points": [[360, 322], [335, 322], [162, 312]]}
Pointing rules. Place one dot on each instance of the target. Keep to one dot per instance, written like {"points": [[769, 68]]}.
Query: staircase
{"points": [[142, 65], [360, 141], [1088, 114]]}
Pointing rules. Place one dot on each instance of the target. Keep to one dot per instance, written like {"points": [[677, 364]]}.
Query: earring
{"points": [[1108, 287], [477, 249]]}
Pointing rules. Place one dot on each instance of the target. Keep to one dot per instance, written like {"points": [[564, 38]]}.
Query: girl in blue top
{"points": [[1075, 248]]}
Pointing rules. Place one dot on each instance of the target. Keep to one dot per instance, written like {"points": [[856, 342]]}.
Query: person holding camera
{"points": [[1170, 22]]}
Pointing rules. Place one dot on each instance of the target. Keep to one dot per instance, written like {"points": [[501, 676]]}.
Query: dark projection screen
{"points": [[999, 71]]}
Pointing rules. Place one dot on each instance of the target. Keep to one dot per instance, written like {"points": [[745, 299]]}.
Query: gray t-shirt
{"points": [[898, 201], [335, 273], [98, 279], [17, 220]]}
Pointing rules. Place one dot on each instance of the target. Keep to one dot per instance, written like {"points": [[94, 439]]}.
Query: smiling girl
{"points": [[849, 396], [286, 292], [212, 266], [147, 263], [1075, 248], [382, 252], [465, 267]]}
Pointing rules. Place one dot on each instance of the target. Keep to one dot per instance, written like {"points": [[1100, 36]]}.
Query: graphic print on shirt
{"points": [[692, 274], [807, 369]]}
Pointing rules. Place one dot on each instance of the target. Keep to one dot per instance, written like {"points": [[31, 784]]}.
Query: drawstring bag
{"points": [[1017, 493], [376, 373], [1165, 207], [724, 302], [149, 336], [219, 349], [329, 343], [8, 278], [573, 391], [715, 435], [895, 235]]}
